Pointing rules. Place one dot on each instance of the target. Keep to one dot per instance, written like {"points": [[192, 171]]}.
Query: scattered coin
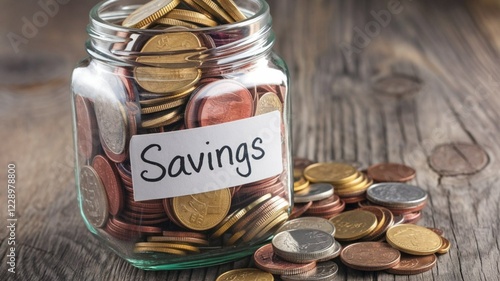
{"points": [[265, 259], [414, 239], [245, 274], [391, 172], [303, 245], [324, 271], [410, 264], [370, 256], [353, 225]]}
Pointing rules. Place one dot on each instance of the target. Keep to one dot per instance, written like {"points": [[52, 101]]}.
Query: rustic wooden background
{"points": [[426, 77]]}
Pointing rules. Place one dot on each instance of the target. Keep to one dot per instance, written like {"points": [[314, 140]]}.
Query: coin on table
{"points": [[223, 101], [413, 239], [445, 247], [324, 271], [391, 172], [303, 245], [245, 274], [94, 200], [410, 264], [331, 172], [314, 192], [309, 222], [268, 102], [267, 260], [202, 211], [370, 256], [355, 224], [149, 12], [398, 195]]}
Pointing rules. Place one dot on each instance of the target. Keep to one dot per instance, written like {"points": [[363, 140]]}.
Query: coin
{"points": [[112, 123], [413, 239], [352, 225], [224, 101], [314, 192], [149, 12], [277, 215], [445, 247], [191, 16], [303, 245], [396, 195], [245, 274], [202, 211], [94, 202], [266, 260], [324, 271], [178, 246], [410, 264], [230, 7], [109, 178], [166, 80], [268, 102], [309, 223], [299, 209], [87, 133], [159, 250], [175, 23], [215, 10], [331, 172], [180, 46], [370, 256], [179, 239], [391, 172]]}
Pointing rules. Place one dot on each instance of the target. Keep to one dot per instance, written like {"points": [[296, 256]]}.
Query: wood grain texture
{"points": [[451, 49]]}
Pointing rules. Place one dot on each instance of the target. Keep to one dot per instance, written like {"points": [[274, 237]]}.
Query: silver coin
{"points": [[324, 271], [400, 195], [309, 222], [94, 200], [303, 245], [335, 252], [315, 192], [112, 123]]}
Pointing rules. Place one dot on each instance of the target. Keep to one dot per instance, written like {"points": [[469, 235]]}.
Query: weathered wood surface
{"points": [[429, 75]]}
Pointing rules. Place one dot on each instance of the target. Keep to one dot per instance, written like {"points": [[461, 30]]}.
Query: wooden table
{"points": [[415, 83]]}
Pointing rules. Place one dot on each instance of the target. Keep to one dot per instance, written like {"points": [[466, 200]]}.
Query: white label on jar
{"points": [[204, 159]]}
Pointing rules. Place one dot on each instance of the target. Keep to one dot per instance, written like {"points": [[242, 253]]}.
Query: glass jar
{"points": [[182, 138]]}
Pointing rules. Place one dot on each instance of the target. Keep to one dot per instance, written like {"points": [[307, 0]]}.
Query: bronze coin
{"points": [[121, 234], [135, 228], [110, 179], [370, 256], [224, 101], [191, 234], [413, 217], [325, 204], [410, 264], [354, 199], [266, 260], [438, 231], [299, 209], [86, 123], [391, 172]]}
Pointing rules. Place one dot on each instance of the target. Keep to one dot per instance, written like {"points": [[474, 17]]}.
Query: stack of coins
{"points": [[170, 88]]}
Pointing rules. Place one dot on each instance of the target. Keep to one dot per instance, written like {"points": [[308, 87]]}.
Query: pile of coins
{"points": [[168, 88], [374, 229]]}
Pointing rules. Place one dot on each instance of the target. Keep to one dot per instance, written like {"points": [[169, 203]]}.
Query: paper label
{"points": [[204, 159]]}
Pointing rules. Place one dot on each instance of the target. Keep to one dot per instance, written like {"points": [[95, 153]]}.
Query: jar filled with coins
{"points": [[182, 131]]}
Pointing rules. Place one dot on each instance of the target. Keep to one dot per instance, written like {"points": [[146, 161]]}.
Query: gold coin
{"points": [[353, 225], [360, 177], [230, 7], [235, 237], [175, 22], [190, 240], [191, 16], [163, 119], [268, 102], [149, 12], [159, 250], [413, 239], [171, 42], [445, 248], [162, 107], [202, 211], [265, 219], [178, 246], [230, 220], [197, 8], [214, 10], [166, 98], [300, 185], [331, 172], [165, 80], [355, 190], [274, 224], [245, 274]]}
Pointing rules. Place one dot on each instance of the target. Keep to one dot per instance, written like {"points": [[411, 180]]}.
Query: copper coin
{"points": [[224, 101], [410, 264], [86, 123], [110, 179], [299, 209], [266, 260], [325, 204], [391, 172], [370, 256], [438, 231], [135, 228]]}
